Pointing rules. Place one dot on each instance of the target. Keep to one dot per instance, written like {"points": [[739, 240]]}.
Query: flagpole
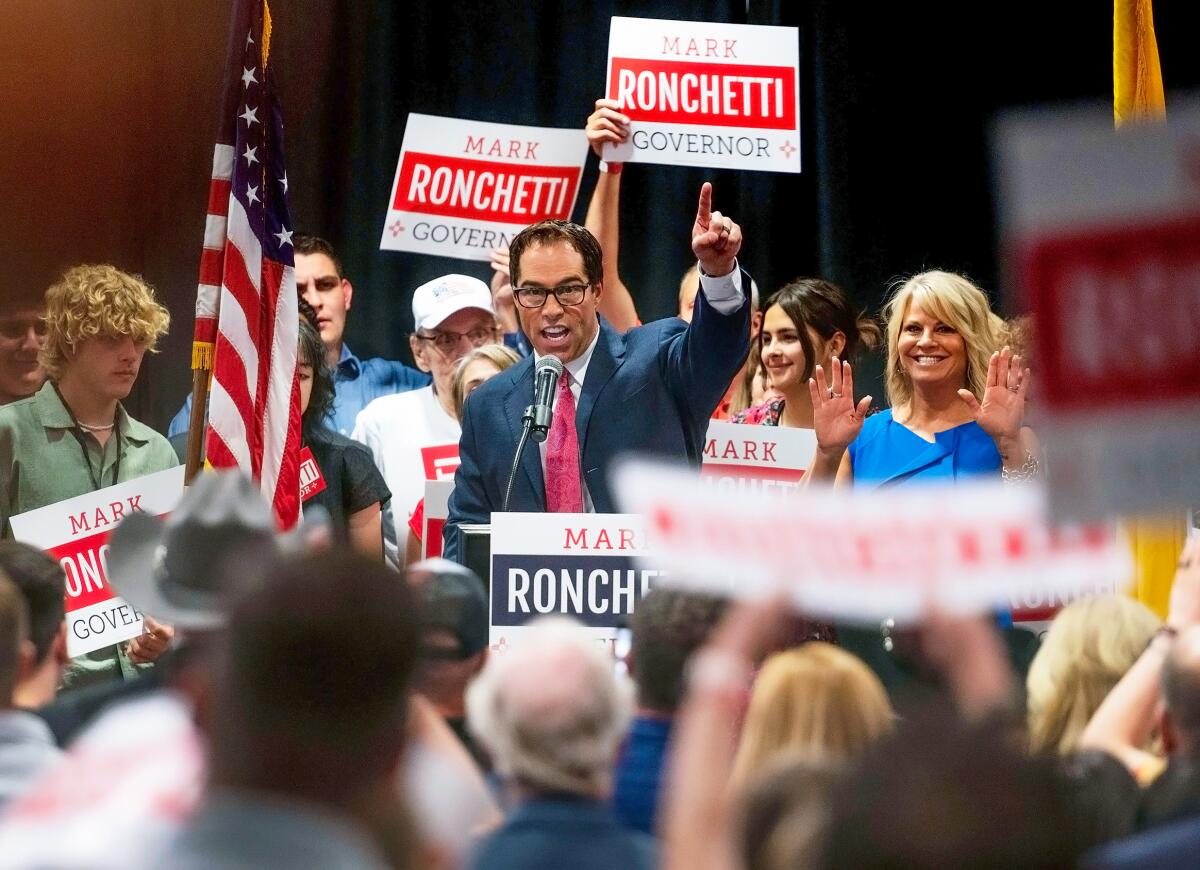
{"points": [[197, 424]]}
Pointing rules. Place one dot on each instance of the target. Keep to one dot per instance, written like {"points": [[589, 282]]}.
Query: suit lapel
{"points": [[606, 359], [515, 403]]}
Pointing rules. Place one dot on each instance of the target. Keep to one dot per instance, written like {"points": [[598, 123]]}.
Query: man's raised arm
{"points": [[608, 124], [706, 357]]}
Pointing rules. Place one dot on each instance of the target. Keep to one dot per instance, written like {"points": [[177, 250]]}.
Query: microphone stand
{"points": [[526, 428]]}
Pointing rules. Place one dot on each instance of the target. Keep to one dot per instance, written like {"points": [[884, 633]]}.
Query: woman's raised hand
{"points": [[1002, 411], [836, 418]]}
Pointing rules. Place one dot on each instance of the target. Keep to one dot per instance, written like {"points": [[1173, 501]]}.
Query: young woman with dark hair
{"points": [[807, 323], [354, 489]]}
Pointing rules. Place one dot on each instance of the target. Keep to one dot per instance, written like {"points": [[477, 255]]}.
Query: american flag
{"points": [[246, 314]]}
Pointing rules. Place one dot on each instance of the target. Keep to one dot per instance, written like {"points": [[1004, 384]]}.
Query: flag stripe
{"points": [[223, 157], [238, 288], [235, 449], [281, 370], [214, 232], [207, 299], [244, 244], [239, 360], [218, 196], [211, 266]]}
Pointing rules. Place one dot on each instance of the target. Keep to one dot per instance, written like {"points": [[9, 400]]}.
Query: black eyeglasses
{"points": [[535, 297], [446, 341]]}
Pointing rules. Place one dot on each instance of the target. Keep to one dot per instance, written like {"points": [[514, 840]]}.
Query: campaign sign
{"points": [[1101, 232], [76, 533], [312, 481], [440, 461], [864, 555], [756, 458], [725, 96], [437, 509], [576, 565], [1034, 607], [465, 187]]}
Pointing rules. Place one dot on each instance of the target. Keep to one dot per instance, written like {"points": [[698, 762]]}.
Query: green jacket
{"points": [[43, 461]]}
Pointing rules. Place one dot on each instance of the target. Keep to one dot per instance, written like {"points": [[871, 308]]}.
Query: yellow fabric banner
{"points": [[1156, 542], [1137, 76], [1138, 96]]}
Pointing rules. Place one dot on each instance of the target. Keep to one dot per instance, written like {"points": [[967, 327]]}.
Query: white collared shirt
{"points": [[724, 293]]}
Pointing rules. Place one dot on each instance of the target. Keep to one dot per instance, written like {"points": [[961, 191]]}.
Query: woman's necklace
{"points": [[89, 427]]}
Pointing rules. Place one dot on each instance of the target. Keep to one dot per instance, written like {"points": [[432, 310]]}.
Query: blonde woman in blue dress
{"points": [[956, 390]]}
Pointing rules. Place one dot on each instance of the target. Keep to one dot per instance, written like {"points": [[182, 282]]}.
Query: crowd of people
{"points": [[327, 697]]}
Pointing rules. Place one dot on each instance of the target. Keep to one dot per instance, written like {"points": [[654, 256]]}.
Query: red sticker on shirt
{"points": [[311, 479]]}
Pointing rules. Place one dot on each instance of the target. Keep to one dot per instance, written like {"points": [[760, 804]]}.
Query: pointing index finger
{"points": [[704, 210]]}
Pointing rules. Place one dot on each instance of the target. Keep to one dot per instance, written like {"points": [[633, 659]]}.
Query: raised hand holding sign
{"points": [[716, 239], [606, 124]]}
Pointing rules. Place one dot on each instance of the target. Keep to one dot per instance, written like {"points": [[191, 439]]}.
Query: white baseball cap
{"points": [[436, 300]]}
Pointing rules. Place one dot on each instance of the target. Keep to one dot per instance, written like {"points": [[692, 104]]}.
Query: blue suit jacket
{"points": [[555, 832], [649, 391], [1165, 848]]}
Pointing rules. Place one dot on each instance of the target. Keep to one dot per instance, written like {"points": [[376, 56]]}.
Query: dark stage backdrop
{"points": [[107, 118]]}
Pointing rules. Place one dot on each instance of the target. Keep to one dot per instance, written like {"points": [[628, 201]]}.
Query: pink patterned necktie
{"points": [[564, 489]]}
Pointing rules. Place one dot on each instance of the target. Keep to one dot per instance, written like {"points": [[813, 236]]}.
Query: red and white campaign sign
{"points": [[1035, 609], [437, 510], [465, 187], [76, 533], [866, 555], [312, 480], [706, 94], [440, 461], [756, 458], [576, 565], [1102, 241]]}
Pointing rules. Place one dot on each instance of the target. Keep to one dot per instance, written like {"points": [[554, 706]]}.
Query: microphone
{"points": [[539, 415]]}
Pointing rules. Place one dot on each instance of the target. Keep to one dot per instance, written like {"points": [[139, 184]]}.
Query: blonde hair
{"points": [[816, 702], [91, 301], [959, 304], [1089, 647], [498, 355]]}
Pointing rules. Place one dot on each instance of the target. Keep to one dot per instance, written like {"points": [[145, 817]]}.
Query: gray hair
{"points": [[551, 710]]}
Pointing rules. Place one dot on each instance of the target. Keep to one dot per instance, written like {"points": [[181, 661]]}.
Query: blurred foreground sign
{"points": [[1102, 240], [863, 556]]}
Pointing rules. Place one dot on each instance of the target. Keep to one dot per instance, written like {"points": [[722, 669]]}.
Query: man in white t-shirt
{"points": [[414, 435]]}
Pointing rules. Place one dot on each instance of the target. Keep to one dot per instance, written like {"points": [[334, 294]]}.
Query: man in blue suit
{"points": [[650, 390]]}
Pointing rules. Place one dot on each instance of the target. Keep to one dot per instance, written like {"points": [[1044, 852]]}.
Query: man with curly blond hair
{"points": [[72, 436]]}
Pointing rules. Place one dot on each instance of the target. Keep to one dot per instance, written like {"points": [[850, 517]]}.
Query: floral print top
{"points": [[766, 414]]}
